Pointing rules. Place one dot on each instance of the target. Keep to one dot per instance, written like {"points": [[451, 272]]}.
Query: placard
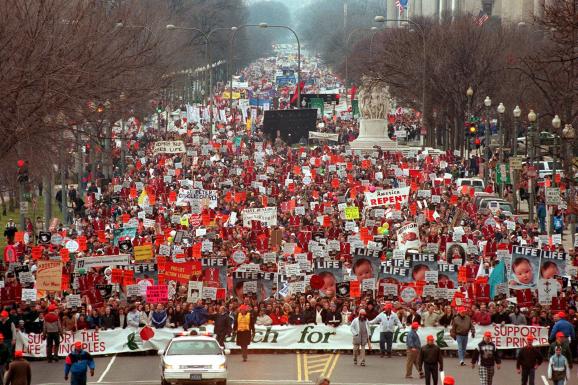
{"points": [[157, 294], [169, 147], [49, 275], [143, 253]]}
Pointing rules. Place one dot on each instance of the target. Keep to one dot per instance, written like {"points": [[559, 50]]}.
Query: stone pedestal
{"points": [[372, 132]]}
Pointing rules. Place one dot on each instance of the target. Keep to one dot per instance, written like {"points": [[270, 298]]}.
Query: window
{"points": [[185, 348], [487, 6]]}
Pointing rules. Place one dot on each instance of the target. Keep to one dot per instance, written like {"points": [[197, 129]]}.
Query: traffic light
{"points": [[100, 108], [473, 129], [160, 108], [22, 171]]}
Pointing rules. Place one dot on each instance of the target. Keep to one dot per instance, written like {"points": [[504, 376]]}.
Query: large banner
{"points": [[101, 261], [323, 136], [209, 197], [273, 337], [169, 147], [387, 197]]}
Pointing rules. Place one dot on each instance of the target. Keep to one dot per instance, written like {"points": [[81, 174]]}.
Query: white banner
{"points": [[323, 136], [169, 147], [189, 196], [99, 342], [267, 215], [387, 197], [103, 261]]}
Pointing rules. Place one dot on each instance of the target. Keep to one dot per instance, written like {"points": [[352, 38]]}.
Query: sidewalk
{"points": [[567, 236]]}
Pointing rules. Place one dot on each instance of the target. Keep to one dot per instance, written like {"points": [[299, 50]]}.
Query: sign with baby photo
{"points": [[525, 268]]}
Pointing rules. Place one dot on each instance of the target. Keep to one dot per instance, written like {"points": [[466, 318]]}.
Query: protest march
{"points": [[266, 199]]}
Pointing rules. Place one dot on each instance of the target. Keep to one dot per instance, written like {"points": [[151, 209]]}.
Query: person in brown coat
{"points": [[19, 372]]}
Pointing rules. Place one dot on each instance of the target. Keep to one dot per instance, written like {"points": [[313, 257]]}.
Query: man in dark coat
{"points": [[19, 372], [223, 325]]}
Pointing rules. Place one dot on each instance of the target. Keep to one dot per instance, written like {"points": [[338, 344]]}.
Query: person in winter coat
{"points": [[563, 326], [52, 331], [462, 325], [487, 357], [558, 367], [430, 361], [4, 357], [19, 372], [308, 316], [245, 329], [197, 317], [388, 322], [159, 317], [361, 335], [223, 325], [133, 317], [563, 344], [529, 358], [77, 364]]}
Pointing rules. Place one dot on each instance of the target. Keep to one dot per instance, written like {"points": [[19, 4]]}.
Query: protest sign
{"points": [[49, 275], [157, 294], [169, 147], [408, 237], [189, 196], [182, 272], [265, 215], [387, 197], [525, 266], [143, 253], [351, 213], [102, 261]]}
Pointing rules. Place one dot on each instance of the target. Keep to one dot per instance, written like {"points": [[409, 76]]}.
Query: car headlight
{"points": [[222, 366], [168, 366]]}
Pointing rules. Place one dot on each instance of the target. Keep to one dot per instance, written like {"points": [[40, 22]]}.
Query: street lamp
{"points": [[517, 113], [382, 19], [501, 109], [488, 104], [530, 144], [556, 123]]}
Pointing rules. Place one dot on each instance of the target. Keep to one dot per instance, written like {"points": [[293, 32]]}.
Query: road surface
{"points": [[279, 369]]}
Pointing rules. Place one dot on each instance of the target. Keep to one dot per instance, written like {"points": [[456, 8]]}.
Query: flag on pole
{"points": [[481, 18], [401, 4], [353, 92], [298, 88]]}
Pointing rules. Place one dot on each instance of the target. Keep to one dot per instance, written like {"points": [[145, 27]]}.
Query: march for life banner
{"points": [[169, 147], [387, 197], [265, 215], [272, 337]]}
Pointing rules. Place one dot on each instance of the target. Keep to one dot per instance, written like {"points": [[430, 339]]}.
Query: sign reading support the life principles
{"points": [[169, 147]]}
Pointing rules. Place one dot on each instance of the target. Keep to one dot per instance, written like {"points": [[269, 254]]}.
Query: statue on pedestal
{"points": [[374, 100]]}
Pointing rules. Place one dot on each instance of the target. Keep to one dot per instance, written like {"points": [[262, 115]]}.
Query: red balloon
{"points": [[316, 282], [20, 163]]}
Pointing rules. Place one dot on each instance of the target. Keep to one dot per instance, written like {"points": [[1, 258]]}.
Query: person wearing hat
{"points": [[5, 357], [562, 325], [413, 347], [449, 380], [563, 344], [245, 329], [430, 361], [487, 357], [77, 363], [462, 325], [361, 335], [7, 329], [19, 371], [387, 321], [52, 331], [558, 367], [529, 358]]}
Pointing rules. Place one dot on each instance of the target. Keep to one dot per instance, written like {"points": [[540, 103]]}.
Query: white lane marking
{"points": [[545, 380], [110, 363]]}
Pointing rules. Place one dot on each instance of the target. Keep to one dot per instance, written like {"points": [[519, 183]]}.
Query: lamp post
{"points": [[530, 143], [556, 123], [207, 37], [487, 150], [501, 109], [469, 95], [382, 19], [568, 135], [517, 112]]}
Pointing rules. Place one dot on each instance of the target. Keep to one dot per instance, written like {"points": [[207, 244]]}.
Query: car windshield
{"points": [[506, 207], [184, 348]]}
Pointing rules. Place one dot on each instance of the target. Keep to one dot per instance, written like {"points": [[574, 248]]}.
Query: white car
{"points": [[193, 359]]}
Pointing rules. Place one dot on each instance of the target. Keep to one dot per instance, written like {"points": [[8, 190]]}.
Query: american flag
{"points": [[401, 4], [481, 18]]}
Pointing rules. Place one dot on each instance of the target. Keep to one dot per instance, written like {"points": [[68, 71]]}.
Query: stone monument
{"points": [[374, 105]]}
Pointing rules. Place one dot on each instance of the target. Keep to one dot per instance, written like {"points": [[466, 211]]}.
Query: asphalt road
{"points": [[279, 369]]}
